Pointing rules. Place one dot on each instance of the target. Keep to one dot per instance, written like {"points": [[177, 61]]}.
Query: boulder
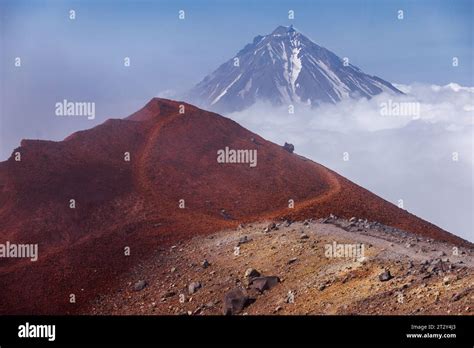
{"points": [[235, 301], [140, 285], [251, 273], [271, 226], [264, 283], [289, 147], [205, 263], [385, 276], [243, 240], [193, 287]]}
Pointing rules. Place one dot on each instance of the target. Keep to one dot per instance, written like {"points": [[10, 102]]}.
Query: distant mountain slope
{"points": [[136, 203], [284, 67]]}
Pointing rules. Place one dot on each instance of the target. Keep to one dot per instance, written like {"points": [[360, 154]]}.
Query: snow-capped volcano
{"points": [[284, 67]]}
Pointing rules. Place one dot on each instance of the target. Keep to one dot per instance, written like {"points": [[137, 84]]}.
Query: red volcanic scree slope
{"points": [[136, 203]]}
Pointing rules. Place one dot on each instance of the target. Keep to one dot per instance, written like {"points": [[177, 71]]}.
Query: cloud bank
{"points": [[416, 147]]}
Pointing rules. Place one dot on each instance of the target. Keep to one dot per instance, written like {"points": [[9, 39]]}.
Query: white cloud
{"points": [[398, 157], [167, 93]]}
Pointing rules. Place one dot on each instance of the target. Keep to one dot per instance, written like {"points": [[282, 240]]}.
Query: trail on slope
{"points": [[141, 178], [334, 189]]}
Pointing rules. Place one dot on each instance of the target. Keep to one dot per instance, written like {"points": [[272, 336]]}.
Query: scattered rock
{"points": [[140, 285], [289, 147], [459, 295], [406, 285], [168, 294], [235, 301], [205, 263], [304, 236], [226, 215], [243, 240], [264, 283], [324, 285], [292, 260], [272, 226], [385, 276], [426, 276], [193, 287], [251, 273]]}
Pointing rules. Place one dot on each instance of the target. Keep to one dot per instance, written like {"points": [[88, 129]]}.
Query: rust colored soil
{"points": [[135, 203]]}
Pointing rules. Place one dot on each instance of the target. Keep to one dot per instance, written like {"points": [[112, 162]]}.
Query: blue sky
{"points": [[83, 59]]}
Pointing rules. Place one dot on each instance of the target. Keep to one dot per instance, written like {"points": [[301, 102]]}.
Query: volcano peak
{"points": [[284, 67]]}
